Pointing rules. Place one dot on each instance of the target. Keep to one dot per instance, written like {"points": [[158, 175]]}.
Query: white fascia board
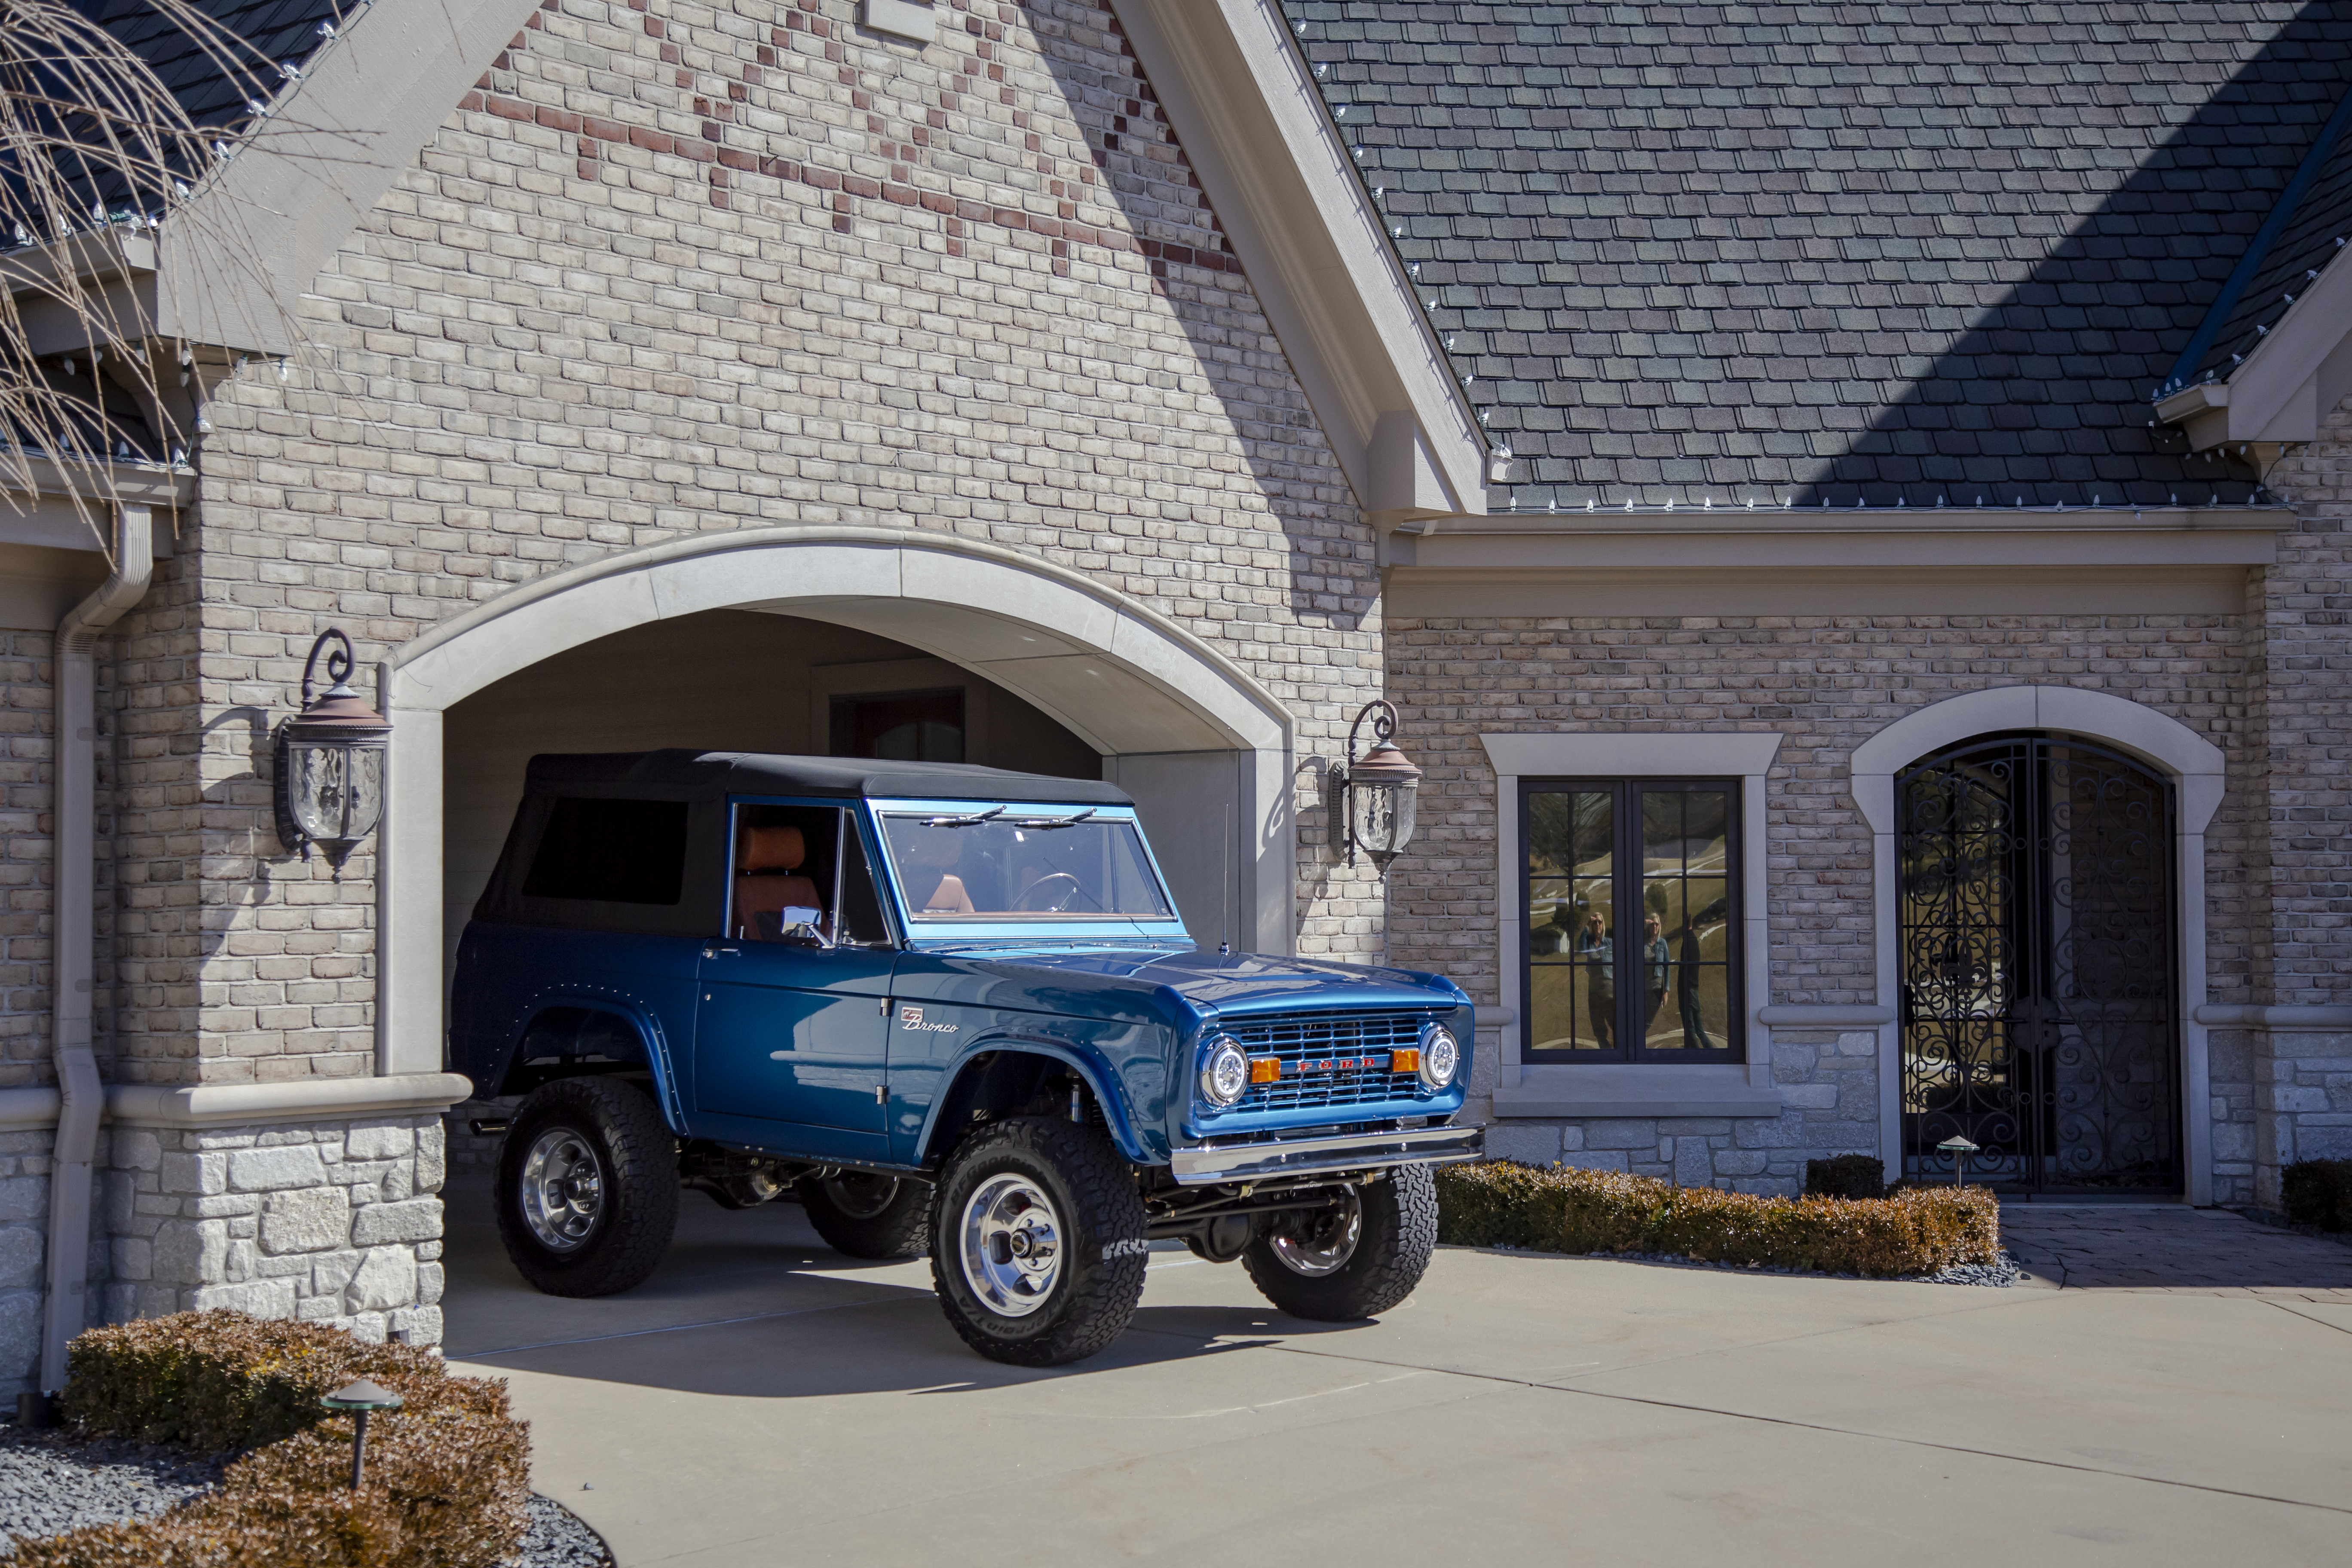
{"points": [[1313, 245], [2296, 375], [296, 192]]}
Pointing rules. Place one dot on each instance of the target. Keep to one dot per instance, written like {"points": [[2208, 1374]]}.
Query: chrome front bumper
{"points": [[1210, 1164]]}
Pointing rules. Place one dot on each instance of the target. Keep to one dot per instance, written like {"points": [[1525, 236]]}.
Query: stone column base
{"points": [[329, 1221]]}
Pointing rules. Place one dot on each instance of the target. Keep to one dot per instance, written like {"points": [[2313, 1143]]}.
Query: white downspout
{"points": [[73, 930]]}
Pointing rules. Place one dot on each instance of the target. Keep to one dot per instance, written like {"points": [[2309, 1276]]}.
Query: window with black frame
{"points": [[1633, 920]]}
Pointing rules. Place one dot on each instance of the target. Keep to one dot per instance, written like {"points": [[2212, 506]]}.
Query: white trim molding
{"points": [[1125, 679], [1635, 1089], [2195, 768], [35, 1109], [1315, 251]]}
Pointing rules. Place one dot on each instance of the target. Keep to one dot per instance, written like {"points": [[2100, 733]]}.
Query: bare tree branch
{"points": [[96, 155]]}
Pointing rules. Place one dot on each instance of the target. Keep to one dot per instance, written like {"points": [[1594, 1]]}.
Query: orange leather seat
{"points": [[765, 858]]}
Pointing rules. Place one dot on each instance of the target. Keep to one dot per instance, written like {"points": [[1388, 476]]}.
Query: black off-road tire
{"points": [[1100, 1224], [858, 1219], [1393, 1251], [637, 1166]]}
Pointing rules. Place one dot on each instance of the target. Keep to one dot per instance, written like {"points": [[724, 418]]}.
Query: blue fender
{"points": [[652, 1041]]}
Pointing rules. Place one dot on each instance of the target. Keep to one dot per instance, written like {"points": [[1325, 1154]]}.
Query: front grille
{"points": [[1309, 1039]]}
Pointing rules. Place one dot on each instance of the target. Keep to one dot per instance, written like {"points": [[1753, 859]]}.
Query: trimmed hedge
{"points": [[2318, 1192], [447, 1474], [1560, 1209]]}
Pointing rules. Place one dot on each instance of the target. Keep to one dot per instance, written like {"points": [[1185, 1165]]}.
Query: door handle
{"points": [[715, 951]]}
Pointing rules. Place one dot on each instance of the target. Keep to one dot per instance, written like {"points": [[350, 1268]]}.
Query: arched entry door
{"points": [[2036, 952]]}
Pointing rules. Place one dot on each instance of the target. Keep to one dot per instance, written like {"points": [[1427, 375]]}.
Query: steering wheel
{"points": [[1055, 900]]}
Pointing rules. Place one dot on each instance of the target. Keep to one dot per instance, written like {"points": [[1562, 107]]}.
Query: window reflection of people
{"points": [[935, 854], [1657, 964], [1553, 936], [1687, 973], [1599, 964]]}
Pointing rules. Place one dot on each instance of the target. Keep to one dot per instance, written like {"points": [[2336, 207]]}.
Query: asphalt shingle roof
{"points": [[1833, 252]]}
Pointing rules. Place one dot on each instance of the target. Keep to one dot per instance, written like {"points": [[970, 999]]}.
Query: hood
{"points": [[1237, 982]]}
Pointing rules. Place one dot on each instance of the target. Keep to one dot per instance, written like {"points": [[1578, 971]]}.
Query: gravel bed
{"points": [[558, 1539], [2003, 1273], [51, 1482]]}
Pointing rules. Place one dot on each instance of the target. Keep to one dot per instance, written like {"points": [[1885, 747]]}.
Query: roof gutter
{"points": [[74, 688]]}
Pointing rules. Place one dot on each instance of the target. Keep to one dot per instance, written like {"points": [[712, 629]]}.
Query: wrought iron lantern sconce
{"points": [[330, 787], [359, 1398], [1372, 802]]}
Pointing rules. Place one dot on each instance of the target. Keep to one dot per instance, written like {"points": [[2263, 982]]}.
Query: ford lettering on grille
{"points": [[1328, 1058]]}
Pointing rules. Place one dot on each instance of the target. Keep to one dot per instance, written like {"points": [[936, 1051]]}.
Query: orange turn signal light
{"points": [[1264, 1070], [1406, 1060]]}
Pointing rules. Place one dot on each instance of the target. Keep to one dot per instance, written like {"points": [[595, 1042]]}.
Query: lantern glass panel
{"points": [[338, 789], [1381, 815]]}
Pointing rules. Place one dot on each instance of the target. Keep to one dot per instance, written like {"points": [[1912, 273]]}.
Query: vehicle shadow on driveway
{"points": [[751, 1304]]}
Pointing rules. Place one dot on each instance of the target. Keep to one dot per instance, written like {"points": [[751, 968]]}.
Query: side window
{"points": [[861, 923], [611, 851], [784, 858]]}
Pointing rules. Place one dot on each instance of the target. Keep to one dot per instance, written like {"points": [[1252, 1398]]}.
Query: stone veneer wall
{"points": [[339, 1225], [1829, 1091], [1826, 683]]}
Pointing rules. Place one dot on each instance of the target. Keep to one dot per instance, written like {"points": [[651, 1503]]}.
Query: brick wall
{"points": [[1826, 683], [686, 268]]}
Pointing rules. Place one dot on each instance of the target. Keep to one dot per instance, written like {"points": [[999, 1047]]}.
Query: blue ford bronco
{"points": [[954, 1010]]}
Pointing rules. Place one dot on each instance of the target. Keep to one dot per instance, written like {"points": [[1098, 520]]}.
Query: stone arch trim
{"points": [[2192, 761], [1149, 695], [2196, 767], [993, 599]]}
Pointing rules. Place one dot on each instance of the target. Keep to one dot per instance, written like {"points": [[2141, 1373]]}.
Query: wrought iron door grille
{"points": [[2037, 966], [1312, 1037]]}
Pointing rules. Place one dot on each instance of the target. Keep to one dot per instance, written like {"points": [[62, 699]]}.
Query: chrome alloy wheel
{"points": [[859, 1195], [562, 1190], [1319, 1241], [1009, 1244]]}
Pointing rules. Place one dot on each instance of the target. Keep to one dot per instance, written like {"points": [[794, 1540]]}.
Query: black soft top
{"points": [[760, 773]]}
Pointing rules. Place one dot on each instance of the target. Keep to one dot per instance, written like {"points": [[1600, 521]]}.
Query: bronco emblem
{"points": [[912, 1018]]}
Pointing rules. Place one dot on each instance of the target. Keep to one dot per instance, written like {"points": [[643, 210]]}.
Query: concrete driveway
{"points": [[761, 1401]]}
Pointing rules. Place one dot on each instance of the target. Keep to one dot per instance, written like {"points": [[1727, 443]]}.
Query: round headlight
{"points": [[1440, 1055], [1224, 1075]]}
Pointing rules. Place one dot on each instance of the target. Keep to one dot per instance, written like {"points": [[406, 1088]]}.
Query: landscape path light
{"points": [[1373, 802], [1960, 1148], [360, 1399], [330, 788]]}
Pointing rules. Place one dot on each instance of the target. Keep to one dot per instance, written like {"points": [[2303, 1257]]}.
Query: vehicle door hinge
{"points": [[881, 1094], [886, 1006]]}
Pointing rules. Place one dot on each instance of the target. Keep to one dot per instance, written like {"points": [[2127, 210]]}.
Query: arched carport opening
{"points": [[1204, 749]]}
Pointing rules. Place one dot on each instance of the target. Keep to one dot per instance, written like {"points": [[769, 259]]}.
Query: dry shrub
{"points": [[1560, 1209], [448, 1474]]}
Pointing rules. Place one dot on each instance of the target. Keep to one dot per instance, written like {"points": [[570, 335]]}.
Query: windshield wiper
{"points": [[1047, 824], [973, 821]]}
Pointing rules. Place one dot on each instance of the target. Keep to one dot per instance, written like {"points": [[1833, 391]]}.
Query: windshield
{"points": [[1023, 863]]}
